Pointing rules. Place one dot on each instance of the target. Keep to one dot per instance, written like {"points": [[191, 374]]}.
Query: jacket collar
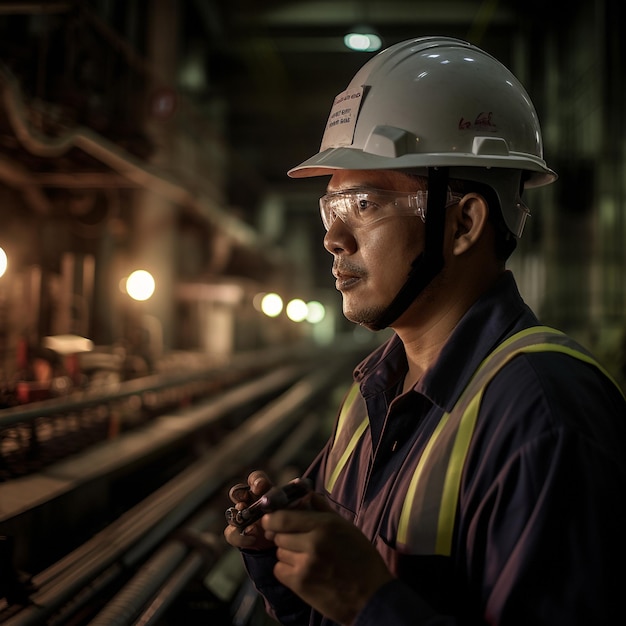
{"points": [[497, 314]]}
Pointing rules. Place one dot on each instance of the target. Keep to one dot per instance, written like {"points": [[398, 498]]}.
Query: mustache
{"points": [[347, 268]]}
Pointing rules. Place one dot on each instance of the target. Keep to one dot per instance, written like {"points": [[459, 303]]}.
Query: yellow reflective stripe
{"points": [[546, 346], [522, 334], [451, 439], [330, 483], [341, 422], [581, 356], [452, 482], [405, 515]]}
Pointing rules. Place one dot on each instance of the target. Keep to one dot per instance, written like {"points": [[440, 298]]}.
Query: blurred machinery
{"points": [[156, 137], [106, 168]]}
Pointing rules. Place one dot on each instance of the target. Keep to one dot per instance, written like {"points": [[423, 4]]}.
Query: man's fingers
{"points": [[292, 521], [286, 556], [259, 482], [240, 493], [234, 537]]}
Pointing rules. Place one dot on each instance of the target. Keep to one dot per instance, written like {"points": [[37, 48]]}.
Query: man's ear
{"points": [[469, 219]]}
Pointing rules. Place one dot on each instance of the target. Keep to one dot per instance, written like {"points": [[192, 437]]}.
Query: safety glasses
{"points": [[357, 208]]}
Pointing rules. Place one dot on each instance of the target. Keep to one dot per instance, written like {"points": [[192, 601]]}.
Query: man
{"points": [[476, 473]]}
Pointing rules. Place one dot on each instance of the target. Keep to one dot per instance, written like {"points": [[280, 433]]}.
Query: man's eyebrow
{"points": [[358, 188]]}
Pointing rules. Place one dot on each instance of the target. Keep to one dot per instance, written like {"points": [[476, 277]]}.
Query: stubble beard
{"points": [[368, 316], [365, 316]]}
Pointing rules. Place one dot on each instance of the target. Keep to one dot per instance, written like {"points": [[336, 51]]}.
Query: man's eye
{"points": [[364, 204]]}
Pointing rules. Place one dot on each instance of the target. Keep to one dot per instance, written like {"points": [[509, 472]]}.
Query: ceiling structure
{"points": [[283, 62], [270, 68], [265, 73], [262, 75]]}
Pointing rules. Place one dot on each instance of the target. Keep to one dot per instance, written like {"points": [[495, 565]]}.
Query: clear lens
{"points": [[359, 207]]}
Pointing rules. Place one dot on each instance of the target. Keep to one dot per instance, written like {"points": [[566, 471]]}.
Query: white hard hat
{"points": [[437, 102]]}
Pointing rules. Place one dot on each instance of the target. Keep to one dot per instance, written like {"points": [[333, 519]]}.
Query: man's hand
{"points": [[252, 537], [325, 559]]}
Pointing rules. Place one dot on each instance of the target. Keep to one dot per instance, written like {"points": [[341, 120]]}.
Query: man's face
{"points": [[371, 263]]}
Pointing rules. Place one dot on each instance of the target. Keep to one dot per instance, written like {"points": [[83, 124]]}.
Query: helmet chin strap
{"points": [[429, 262]]}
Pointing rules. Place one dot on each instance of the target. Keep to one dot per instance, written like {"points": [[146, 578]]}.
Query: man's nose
{"points": [[339, 238]]}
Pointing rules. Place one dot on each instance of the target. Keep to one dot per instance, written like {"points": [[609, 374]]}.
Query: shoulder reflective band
{"points": [[351, 425], [429, 510], [427, 519]]}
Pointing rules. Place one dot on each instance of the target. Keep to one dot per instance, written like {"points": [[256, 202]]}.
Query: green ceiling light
{"points": [[363, 39]]}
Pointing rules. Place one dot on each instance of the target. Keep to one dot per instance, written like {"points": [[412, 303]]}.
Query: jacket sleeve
{"points": [[280, 602], [541, 532], [396, 603]]}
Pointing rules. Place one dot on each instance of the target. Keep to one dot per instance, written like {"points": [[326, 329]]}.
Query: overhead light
{"points": [[363, 39], [297, 310], [3, 262], [271, 304], [140, 285]]}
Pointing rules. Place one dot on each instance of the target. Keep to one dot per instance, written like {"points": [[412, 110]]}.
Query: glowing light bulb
{"points": [[140, 285]]}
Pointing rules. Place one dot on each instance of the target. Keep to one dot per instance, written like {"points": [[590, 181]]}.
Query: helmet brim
{"points": [[326, 162]]}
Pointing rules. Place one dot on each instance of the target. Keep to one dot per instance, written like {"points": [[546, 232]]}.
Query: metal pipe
{"points": [[123, 609], [79, 401], [144, 526], [118, 159], [173, 560], [18, 177]]}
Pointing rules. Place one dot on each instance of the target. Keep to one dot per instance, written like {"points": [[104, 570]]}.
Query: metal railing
{"points": [[138, 539], [37, 434]]}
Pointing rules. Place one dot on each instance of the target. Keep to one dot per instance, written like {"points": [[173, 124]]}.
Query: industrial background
{"points": [[155, 135], [158, 134]]}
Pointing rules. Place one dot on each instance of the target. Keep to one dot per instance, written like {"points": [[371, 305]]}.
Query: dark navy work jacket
{"points": [[539, 537]]}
